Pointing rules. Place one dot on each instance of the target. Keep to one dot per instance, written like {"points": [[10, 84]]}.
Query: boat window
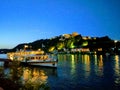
{"points": [[39, 57], [45, 57], [27, 58], [32, 57], [36, 57]]}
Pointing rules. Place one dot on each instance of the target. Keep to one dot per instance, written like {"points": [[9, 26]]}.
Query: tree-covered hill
{"points": [[68, 42]]}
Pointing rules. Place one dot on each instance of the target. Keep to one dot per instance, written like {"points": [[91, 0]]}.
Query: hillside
{"points": [[68, 42]]}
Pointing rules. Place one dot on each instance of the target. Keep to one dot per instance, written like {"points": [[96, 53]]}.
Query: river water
{"points": [[76, 71]]}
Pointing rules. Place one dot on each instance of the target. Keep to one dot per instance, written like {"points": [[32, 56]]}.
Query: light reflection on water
{"points": [[89, 71], [34, 77], [76, 71], [117, 70]]}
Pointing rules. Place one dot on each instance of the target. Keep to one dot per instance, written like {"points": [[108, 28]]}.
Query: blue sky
{"points": [[24, 21]]}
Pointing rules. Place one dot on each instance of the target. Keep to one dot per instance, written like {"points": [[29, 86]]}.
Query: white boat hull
{"points": [[46, 63]]}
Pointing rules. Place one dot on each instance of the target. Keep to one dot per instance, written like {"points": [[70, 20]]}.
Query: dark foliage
{"points": [[100, 42]]}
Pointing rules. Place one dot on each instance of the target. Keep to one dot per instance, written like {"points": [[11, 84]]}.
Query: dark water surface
{"points": [[76, 71]]}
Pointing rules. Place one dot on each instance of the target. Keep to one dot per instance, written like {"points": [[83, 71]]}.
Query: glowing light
{"points": [[72, 45], [51, 49], [95, 57], [117, 64], [100, 61], [99, 49], [34, 77], [73, 64], [60, 46], [115, 41], [87, 65], [85, 43], [117, 72]]}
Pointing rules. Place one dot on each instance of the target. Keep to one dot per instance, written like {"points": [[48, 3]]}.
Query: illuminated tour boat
{"points": [[36, 58]]}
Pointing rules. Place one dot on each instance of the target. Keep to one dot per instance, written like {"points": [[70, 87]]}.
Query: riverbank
{"points": [[13, 79], [5, 62]]}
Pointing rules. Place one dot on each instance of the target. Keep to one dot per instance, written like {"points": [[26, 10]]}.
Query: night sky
{"points": [[24, 21]]}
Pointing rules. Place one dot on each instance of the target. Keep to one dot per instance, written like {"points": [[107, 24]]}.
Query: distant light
{"points": [[115, 41], [39, 49], [25, 46]]}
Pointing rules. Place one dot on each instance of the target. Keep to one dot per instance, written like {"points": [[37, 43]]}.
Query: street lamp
{"points": [[115, 41], [115, 48], [25, 46]]}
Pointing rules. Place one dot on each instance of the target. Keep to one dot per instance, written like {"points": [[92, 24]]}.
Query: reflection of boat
{"points": [[33, 78], [37, 58], [36, 78]]}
